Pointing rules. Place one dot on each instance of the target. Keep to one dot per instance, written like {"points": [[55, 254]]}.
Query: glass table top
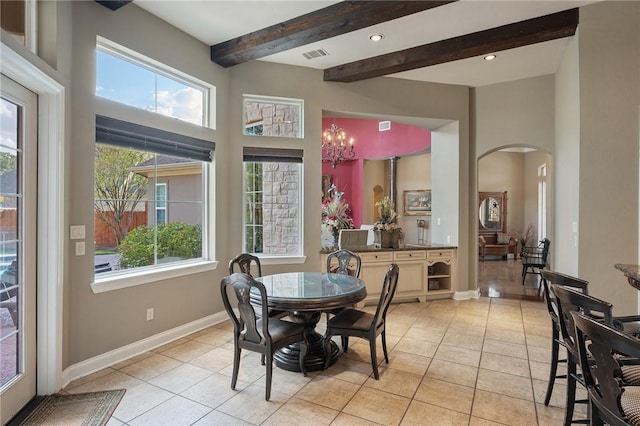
{"points": [[311, 285]]}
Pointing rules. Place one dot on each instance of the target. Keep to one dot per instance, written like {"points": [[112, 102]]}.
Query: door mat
{"points": [[85, 409]]}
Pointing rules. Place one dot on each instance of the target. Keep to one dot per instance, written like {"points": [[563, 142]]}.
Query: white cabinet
{"points": [[419, 270]]}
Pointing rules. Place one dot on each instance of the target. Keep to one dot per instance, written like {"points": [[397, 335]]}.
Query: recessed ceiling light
{"points": [[376, 37], [490, 57]]}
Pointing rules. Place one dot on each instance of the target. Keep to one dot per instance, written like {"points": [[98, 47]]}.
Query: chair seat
{"points": [[630, 403], [631, 374], [352, 319], [280, 329]]}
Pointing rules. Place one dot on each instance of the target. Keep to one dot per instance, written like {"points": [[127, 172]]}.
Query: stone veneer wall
{"points": [[276, 119], [281, 209]]}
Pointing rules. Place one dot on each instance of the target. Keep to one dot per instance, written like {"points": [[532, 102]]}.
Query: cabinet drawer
{"points": [[410, 255], [439, 254], [385, 256]]}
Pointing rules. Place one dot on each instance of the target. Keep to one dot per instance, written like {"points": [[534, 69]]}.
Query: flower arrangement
{"points": [[525, 235], [336, 214], [387, 217]]}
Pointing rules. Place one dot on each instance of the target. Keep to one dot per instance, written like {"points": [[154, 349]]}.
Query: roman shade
{"points": [[275, 155]]}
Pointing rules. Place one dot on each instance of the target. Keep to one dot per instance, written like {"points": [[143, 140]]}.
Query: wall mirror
{"points": [[492, 212]]}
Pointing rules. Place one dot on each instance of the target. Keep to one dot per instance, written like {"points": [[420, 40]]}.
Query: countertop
{"points": [[403, 247]]}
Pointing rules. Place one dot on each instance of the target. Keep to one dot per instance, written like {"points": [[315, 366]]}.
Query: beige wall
{"points": [[609, 74]]}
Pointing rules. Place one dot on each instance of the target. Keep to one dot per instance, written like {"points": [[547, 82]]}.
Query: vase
{"points": [[386, 239]]}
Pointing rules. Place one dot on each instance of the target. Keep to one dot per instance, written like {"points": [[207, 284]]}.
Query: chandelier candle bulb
{"points": [[334, 146]]}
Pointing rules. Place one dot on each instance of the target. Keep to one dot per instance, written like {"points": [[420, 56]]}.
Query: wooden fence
{"points": [[104, 237]]}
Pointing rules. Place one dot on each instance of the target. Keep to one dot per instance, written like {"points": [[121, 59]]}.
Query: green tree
{"points": [[118, 190], [7, 162]]}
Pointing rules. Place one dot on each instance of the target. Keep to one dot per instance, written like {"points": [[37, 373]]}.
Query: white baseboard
{"points": [[466, 295], [97, 363]]}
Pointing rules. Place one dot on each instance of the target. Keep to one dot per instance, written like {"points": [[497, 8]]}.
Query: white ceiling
{"points": [[215, 21]]}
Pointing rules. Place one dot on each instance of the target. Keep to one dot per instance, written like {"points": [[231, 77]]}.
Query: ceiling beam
{"points": [[524, 33], [337, 19], [113, 4]]}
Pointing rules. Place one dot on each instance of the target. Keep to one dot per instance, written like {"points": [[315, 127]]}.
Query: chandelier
{"points": [[334, 146]]}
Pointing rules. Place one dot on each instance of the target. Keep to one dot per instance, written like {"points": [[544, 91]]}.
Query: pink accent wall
{"points": [[370, 143]]}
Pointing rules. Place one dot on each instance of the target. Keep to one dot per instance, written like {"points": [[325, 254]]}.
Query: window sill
{"points": [[270, 259], [123, 279]]}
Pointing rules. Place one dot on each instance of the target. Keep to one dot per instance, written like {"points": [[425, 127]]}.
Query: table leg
{"points": [[288, 357]]}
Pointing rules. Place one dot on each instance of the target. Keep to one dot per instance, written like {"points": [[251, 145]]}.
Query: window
{"points": [[142, 174], [271, 116], [161, 203], [131, 79], [273, 201]]}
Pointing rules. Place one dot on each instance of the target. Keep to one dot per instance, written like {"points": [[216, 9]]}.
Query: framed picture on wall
{"points": [[417, 202]]}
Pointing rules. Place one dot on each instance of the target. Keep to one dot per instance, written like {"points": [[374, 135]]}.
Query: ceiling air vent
{"points": [[313, 54], [383, 126]]}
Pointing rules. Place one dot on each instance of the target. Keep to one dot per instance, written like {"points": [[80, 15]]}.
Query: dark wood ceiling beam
{"points": [[337, 19], [113, 4], [524, 33]]}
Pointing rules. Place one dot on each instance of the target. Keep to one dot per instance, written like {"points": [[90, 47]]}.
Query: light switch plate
{"points": [[76, 232], [79, 248]]}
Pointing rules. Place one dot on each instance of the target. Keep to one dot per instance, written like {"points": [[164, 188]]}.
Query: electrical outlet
{"points": [[149, 314]]}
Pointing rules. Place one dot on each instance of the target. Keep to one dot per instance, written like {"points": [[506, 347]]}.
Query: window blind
{"points": [[273, 155], [130, 135]]}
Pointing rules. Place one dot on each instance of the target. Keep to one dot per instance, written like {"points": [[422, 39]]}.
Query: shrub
{"points": [[175, 239]]}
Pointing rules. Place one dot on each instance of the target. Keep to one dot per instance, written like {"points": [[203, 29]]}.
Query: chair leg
{"points": [[374, 359], [384, 345], [236, 366], [327, 350], [555, 348], [571, 392], [262, 359], [267, 394], [345, 343]]}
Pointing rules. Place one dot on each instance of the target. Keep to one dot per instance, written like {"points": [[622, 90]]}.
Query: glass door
{"points": [[18, 173]]}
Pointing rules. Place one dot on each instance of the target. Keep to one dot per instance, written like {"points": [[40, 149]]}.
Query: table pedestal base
{"points": [[288, 357]]}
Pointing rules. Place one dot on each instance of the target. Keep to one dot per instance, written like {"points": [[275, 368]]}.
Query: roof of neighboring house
{"points": [[9, 182], [161, 160]]}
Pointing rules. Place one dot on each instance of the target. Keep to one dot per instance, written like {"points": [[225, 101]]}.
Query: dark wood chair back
{"points": [[244, 263], [344, 258], [557, 278], [601, 348]]}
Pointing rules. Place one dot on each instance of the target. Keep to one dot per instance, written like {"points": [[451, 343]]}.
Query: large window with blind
{"points": [[150, 208], [272, 217]]}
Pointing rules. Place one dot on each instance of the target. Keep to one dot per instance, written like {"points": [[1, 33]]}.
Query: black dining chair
{"points": [[250, 265], [354, 322], [343, 262], [602, 349], [258, 333], [548, 278], [574, 301], [534, 259]]}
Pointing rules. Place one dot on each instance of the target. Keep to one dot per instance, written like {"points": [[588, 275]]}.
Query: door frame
{"points": [[22, 66]]}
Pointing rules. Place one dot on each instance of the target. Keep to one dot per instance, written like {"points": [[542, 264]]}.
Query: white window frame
{"points": [[164, 202], [135, 58]]}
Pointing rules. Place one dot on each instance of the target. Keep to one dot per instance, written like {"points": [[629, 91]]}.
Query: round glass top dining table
{"points": [[305, 295]]}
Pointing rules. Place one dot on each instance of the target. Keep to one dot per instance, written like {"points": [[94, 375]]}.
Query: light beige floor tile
{"points": [[170, 345], [410, 309], [458, 355], [396, 382], [506, 384], [410, 363], [216, 418], [505, 364], [250, 405], [503, 409], [445, 394], [416, 346], [366, 403], [498, 324], [151, 367], [539, 329], [540, 341], [535, 316], [176, 411], [477, 421], [506, 336], [180, 378], [398, 324], [140, 399], [132, 360], [215, 337], [349, 420], [549, 415], [418, 412], [214, 390], [250, 370], [114, 422], [497, 347], [112, 380], [349, 370], [288, 382], [461, 340], [297, 410], [417, 332], [214, 360], [89, 378], [187, 351], [540, 370], [328, 392], [453, 373], [539, 354]]}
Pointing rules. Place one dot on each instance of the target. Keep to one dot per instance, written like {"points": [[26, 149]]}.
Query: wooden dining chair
{"points": [[548, 278], [343, 262], [258, 333], [602, 349], [354, 322], [250, 265]]}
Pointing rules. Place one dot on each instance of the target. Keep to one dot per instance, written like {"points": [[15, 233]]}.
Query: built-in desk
{"points": [[426, 271]]}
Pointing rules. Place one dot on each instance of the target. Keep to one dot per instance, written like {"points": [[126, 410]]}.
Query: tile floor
{"points": [[475, 362]]}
